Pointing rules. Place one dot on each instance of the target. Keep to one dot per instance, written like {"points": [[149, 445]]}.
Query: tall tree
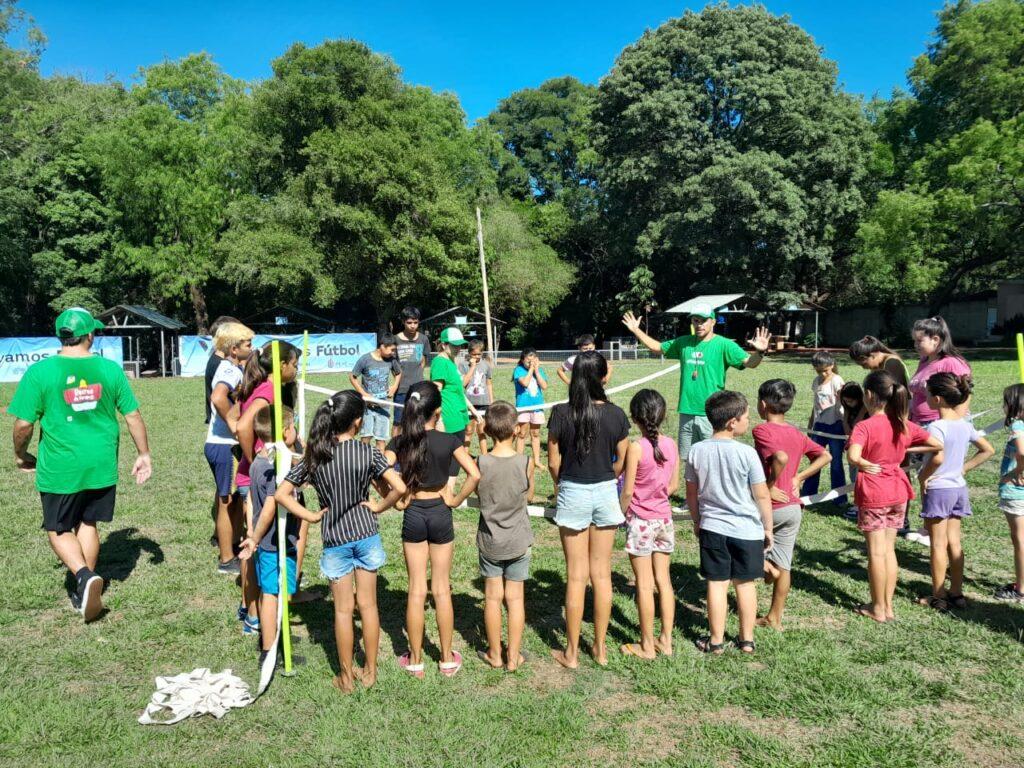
{"points": [[729, 156]]}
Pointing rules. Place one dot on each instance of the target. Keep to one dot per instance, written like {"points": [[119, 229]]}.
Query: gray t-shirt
{"points": [[376, 374], [724, 470], [476, 389], [410, 356], [264, 485], [504, 531]]}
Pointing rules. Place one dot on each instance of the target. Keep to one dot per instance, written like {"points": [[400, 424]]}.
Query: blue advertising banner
{"points": [[17, 354], [328, 352]]}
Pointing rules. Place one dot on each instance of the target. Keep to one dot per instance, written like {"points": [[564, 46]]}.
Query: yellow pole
{"points": [[282, 515], [302, 387], [1020, 355]]}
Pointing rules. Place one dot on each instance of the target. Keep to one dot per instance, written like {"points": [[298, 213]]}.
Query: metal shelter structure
{"points": [[137, 323], [473, 324], [738, 305], [285, 319]]}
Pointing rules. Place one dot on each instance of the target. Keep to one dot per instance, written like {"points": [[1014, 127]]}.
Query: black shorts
{"points": [[63, 512], [428, 520], [723, 558]]}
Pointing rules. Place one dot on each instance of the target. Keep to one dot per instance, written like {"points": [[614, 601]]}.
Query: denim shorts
{"points": [[517, 569], [581, 505], [376, 424], [268, 572], [366, 554]]}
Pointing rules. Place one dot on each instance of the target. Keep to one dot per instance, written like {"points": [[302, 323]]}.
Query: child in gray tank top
{"points": [[504, 535]]}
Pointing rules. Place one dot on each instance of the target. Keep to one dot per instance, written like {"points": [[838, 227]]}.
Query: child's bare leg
{"points": [[643, 570], [225, 525], [746, 606], [877, 566], [717, 606], [268, 620], [602, 540], [521, 431], [937, 530], [780, 591], [516, 607], [576, 547], [892, 569], [416, 555], [535, 443], [250, 589], [481, 438], [1017, 537], [440, 589], [771, 572], [666, 600], [494, 593], [344, 604], [956, 556], [366, 599]]}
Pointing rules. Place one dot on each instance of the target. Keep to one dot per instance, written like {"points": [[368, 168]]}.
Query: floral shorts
{"points": [[645, 537]]}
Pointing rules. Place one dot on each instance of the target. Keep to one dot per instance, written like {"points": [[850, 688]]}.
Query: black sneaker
{"points": [[89, 595], [232, 567], [75, 602], [1008, 592]]}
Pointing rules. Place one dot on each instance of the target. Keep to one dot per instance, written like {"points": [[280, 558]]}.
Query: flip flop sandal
{"points": [[746, 646], [449, 668], [630, 649], [416, 670], [957, 601], [704, 645], [482, 655], [936, 603]]}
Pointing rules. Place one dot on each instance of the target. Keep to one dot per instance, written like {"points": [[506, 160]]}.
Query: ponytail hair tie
{"points": [[415, 396]]}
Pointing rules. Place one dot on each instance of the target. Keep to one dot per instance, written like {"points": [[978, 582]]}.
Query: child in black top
{"points": [[424, 456]]}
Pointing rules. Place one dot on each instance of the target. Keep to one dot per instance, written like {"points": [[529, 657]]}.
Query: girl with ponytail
{"points": [[651, 477], [877, 448], [946, 502], [426, 458], [588, 438], [341, 468]]}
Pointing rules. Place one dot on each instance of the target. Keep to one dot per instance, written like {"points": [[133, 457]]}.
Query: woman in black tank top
{"points": [[423, 456]]}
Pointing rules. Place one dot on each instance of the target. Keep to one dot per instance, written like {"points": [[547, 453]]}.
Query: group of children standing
{"points": [[744, 502]]}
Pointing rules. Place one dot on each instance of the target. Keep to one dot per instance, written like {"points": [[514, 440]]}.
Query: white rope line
{"points": [[195, 693], [524, 409], [991, 428]]}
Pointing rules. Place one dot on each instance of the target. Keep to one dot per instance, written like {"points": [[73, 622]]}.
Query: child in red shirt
{"points": [[780, 447], [877, 448]]}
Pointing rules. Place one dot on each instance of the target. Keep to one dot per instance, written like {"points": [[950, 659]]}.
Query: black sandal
{"points": [[936, 603], [746, 646], [957, 601], [704, 645]]}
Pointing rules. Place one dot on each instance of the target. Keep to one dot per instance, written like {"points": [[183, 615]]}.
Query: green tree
{"points": [[729, 156]]}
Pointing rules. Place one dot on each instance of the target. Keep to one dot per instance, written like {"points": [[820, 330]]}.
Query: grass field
{"points": [[832, 690]]}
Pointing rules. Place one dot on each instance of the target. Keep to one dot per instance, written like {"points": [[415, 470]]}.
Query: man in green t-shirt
{"points": [[704, 357], [445, 373], [76, 396]]}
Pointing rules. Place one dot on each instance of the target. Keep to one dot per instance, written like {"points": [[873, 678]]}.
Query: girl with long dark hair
{"points": [[341, 468], [877, 448], [426, 456], [588, 438]]}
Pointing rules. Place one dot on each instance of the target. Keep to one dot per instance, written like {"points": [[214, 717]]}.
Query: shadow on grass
{"points": [[121, 551]]}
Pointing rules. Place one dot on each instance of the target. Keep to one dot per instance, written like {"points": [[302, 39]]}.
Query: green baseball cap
{"points": [[75, 322], [703, 310], [452, 336]]}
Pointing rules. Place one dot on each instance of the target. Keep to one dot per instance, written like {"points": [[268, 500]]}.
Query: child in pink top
{"points": [[651, 476], [934, 344], [877, 447]]}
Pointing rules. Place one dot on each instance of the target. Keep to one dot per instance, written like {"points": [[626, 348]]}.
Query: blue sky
{"points": [[480, 52]]}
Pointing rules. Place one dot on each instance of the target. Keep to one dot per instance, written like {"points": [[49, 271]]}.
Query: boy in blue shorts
{"points": [[376, 369], [261, 543]]}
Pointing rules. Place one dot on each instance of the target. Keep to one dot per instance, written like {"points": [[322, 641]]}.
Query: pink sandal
{"points": [[449, 668], [416, 670]]}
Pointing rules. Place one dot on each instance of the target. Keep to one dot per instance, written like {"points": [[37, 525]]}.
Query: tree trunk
{"points": [[199, 306]]}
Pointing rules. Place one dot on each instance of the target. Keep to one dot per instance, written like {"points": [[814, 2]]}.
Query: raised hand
{"points": [[760, 340], [631, 322]]}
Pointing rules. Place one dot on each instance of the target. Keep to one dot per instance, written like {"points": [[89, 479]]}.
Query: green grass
{"points": [[833, 690]]}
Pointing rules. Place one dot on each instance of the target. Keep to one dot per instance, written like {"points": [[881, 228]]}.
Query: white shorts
{"points": [[531, 417], [1013, 507]]}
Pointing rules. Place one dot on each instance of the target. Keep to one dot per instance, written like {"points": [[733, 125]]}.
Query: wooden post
{"points": [[483, 277]]}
